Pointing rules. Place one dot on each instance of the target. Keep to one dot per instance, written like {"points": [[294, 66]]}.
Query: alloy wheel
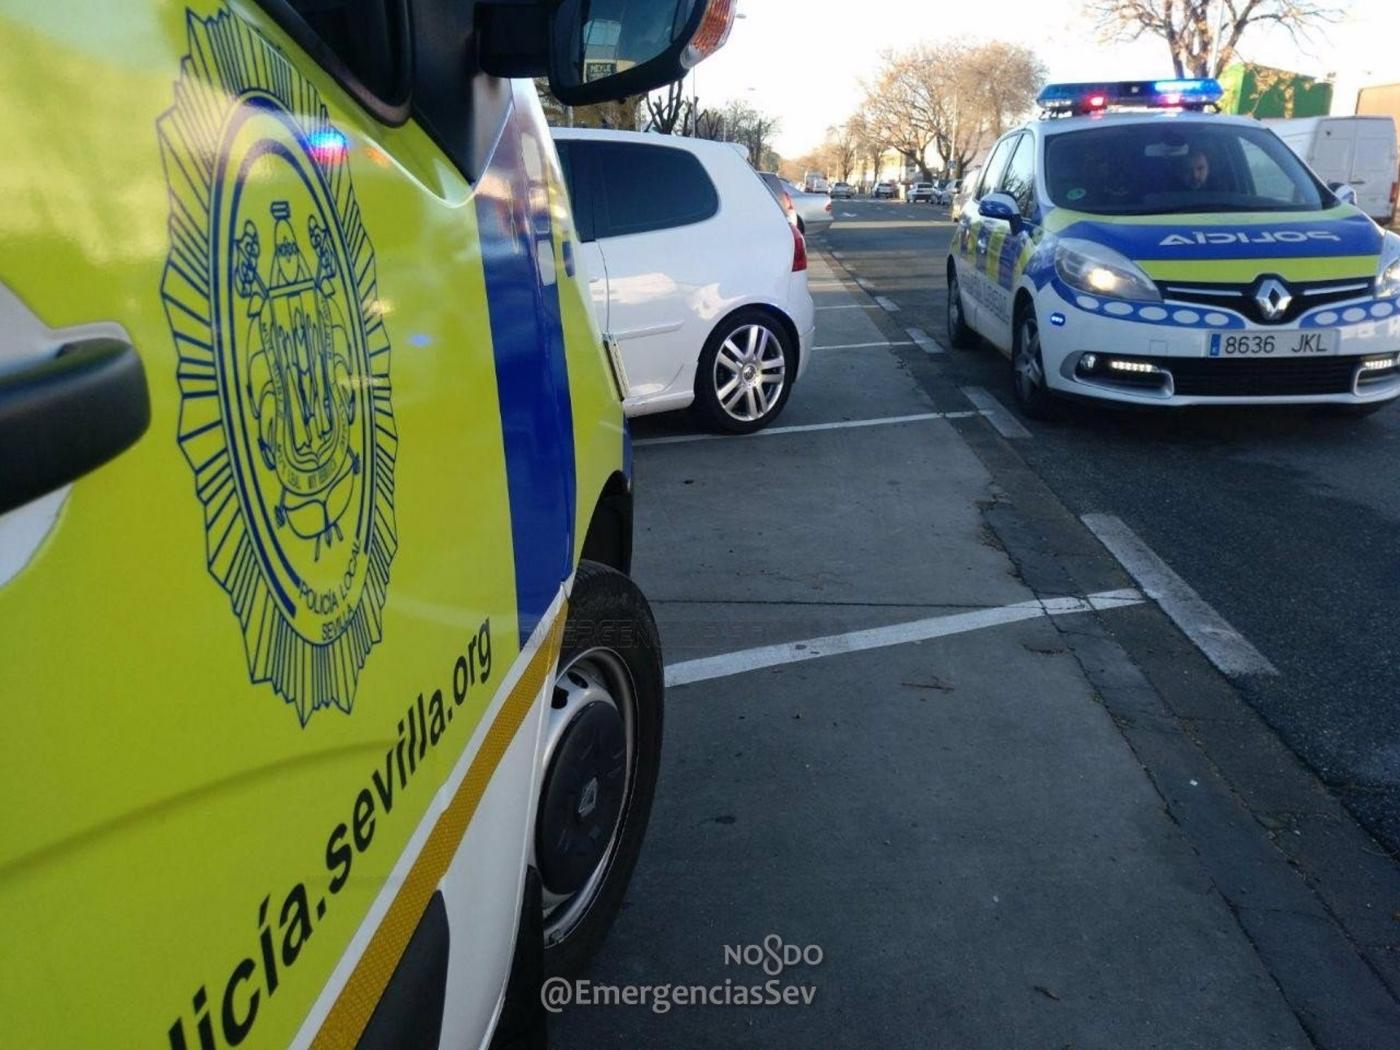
{"points": [[750, 373]]}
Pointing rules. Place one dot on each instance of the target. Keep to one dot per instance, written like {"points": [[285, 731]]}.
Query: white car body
{"points": [[1327, 261], [813, 208], [660, 294], [1358, 151]]}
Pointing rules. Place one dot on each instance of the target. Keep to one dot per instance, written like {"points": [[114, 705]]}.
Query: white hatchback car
{"points": [[697, 277]]}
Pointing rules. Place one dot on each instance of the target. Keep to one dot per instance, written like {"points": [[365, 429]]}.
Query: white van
{"points": [[1359, 151]]}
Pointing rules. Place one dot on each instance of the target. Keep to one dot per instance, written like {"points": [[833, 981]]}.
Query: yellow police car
{"points": [[333, 717], [1133, 246]]}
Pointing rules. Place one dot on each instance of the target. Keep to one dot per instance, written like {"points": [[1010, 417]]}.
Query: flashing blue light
{"points": [[1151, 94], [327, 145]]}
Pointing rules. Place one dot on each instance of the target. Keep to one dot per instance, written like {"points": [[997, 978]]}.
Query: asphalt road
{"points": [[1286, 521]]}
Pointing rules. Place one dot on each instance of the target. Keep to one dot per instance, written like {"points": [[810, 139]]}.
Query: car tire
{"points": [[1033, 396], [960, 333], [603, 750], [751, 348]]}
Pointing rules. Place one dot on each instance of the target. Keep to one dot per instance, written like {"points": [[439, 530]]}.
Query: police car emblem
{"points": [[283, 363]]}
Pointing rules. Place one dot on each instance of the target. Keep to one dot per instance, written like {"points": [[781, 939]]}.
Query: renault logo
{"points": [[1273, 298]]}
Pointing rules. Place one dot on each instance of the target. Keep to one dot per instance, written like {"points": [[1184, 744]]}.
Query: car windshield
{"points": [[1177, 168]]}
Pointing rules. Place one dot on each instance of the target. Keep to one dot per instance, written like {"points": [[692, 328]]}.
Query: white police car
{"points": [[1133, 246]]}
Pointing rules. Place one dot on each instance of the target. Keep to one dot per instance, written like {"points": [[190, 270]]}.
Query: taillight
{"points": [[1394, 193], [828, 206], [788, 207], [712, 32], [799, 250]]}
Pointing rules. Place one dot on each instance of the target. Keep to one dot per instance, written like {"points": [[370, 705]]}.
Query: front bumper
{"points": [[1157, 361]]}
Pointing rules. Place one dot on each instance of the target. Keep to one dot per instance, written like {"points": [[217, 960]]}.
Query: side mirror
{"points": [[1344, 193], [609, 49], [1001, 206]]}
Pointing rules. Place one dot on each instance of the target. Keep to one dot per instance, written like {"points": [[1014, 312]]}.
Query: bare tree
{"points": [[742, 123], [951, 97], [670, 111], [842, 142], [1203, 35], [899, 107]]}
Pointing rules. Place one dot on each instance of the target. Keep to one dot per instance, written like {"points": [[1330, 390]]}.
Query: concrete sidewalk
{"points": [[956, 822]]}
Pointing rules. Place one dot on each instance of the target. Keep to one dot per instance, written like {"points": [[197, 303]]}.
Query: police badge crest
{"points": [[283, 363]]}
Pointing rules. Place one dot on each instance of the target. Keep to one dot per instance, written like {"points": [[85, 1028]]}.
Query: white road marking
{"points": [[863, 283], [804, 428], [863, 346], [849, 306], [825, 285], [847, 215], [888, 305], [1223, 645], [998, 415], [925, 341], [726, 664]]}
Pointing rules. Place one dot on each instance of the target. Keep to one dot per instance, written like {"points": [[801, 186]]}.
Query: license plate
{"points": [[1312, 343]]}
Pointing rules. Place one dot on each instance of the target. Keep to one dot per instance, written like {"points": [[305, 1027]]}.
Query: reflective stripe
{"points": [[362, 991]]}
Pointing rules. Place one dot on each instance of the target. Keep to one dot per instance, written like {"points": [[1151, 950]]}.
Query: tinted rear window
{"points": [[641, 188]]}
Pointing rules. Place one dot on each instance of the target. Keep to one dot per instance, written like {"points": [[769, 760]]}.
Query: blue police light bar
{"points": [[1147, 94]]}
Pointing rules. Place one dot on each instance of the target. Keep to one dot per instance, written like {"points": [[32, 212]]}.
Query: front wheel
{"points": [[960, 334], [601, 755], [1028, 368], [745, 373]]}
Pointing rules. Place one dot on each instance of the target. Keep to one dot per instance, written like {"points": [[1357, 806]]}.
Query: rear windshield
{"points": [[1178, 168]]}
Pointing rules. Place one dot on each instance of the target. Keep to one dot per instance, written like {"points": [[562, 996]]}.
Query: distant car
{"points": [[919, 191], [701, 290], [813, 211], [943, 191], [814, 182], [842, 191], [883, 191], [961, 189]]}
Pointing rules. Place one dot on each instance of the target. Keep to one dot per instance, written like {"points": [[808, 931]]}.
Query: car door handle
{"points": [[68, 414]]}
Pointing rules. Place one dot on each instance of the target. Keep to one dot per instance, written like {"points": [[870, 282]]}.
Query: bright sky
{"points": [[803, 60]]}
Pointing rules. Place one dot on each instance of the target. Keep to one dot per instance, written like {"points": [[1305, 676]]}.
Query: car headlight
{"points": [[1388, 279], [1092, 268]]}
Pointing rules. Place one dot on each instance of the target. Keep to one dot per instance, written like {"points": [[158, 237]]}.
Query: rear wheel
{"points": [[745, 373], [960, 334], [601, 755], [1028, 368]]}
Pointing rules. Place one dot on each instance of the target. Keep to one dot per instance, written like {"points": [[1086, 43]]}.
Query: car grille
{"points": [[1207, 377], [1307, 295]]}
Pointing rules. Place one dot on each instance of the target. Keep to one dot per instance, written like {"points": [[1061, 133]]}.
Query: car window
{"points": [[1178, 168], [1019, 177], [639, 188], [578, 180], [1268, 177], [366, 39], [991, 171]]}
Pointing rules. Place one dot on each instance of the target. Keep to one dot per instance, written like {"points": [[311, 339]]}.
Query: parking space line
{"points": [[888, 305], [865, 346], [727, 664], [998, 415], [926, 342], [850, 306], [805, 428], [1224, 646]]}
